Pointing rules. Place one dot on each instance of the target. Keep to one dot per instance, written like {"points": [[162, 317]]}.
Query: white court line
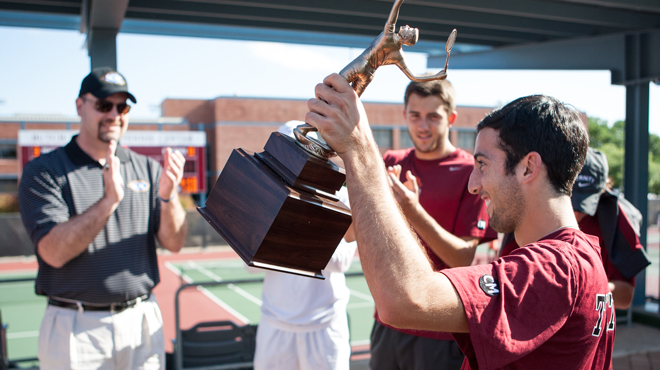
{"points": [[361, 305], [233, 287], [366, 297], [222, 304], [23, 334], [210, 295], [177, 272]]}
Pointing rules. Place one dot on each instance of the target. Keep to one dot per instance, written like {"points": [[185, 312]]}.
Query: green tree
{"points": [[611, 141]]}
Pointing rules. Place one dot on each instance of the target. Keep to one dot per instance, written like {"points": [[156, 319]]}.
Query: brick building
{"points": [[247, 123], [229, 123], [10, 164]]}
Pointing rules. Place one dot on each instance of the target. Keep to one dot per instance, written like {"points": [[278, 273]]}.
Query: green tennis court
{"points": [[23, 310], [244, 300]]}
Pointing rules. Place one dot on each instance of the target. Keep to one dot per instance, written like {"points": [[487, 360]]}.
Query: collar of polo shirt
{"points": [[80, 158]]}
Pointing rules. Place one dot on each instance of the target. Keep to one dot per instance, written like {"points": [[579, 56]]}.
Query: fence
{"points": [[14, 240]]}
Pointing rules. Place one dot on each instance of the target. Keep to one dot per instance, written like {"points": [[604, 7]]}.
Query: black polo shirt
{"points": [[120, 263]]}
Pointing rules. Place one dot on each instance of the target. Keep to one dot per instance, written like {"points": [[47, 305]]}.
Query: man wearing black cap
{"points": [[615, 222], [94, 210]]}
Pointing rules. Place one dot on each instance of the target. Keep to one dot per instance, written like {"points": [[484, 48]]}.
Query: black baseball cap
{"points": [[590, 182], [103, 82]]}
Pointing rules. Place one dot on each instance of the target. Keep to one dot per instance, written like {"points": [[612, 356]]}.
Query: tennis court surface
{"points": [[23, 310]]}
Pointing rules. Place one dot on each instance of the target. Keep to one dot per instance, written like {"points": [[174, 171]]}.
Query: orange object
{"points": [[189, 184]]}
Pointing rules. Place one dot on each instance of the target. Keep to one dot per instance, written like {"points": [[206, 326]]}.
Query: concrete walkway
{"points": [[636, 347]]}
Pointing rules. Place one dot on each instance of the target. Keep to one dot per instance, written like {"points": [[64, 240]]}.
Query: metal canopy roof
{"points": [[484, 23]]}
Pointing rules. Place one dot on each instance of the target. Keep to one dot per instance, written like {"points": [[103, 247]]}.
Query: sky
{"points": [[41, 71]]}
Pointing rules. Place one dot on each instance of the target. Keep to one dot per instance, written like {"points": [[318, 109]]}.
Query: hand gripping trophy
{"points": [[384, 50]]}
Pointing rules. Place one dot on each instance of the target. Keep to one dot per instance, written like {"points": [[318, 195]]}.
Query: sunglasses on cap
{"points": [[105, 106]]}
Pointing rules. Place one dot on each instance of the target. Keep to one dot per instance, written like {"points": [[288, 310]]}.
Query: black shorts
{"points": [[393, 350]]}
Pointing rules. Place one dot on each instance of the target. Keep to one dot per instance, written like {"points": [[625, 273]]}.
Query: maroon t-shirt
{"points": [[444, 195], [589, 225], [546, 305]]}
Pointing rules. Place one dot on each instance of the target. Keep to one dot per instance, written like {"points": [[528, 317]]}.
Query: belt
{"points": [[115, 307]]}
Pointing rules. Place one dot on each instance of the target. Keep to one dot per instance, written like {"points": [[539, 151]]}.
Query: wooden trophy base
{"points": [[277, 208]]}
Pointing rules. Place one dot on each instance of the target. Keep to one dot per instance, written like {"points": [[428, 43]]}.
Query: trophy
{"points": [[277, 209]]}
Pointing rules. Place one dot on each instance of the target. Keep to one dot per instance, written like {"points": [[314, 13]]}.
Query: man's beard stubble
{"points": [[433, 147], [507, 219], [106, 137]]}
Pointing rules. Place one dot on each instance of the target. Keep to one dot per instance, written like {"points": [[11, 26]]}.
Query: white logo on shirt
{"points": [[455, 168], [488, 284], [138, 186]]}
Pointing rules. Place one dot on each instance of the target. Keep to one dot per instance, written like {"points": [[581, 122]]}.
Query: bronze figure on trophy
{"points": [[386, 50], [277, 208]]}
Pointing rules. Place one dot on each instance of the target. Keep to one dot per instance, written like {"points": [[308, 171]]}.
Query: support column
{"points": [[636, 163], [102, 45]]}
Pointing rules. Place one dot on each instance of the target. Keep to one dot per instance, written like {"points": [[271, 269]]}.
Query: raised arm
{"points": [[390, 26], [66, 240], [407, 292]]}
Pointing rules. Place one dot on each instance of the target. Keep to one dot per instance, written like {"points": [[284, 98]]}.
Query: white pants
{"points": [[324, 349], [131, 339]]}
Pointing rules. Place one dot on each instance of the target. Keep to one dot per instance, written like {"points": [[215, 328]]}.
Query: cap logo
{"points": [[585, 180], [489, 285], [113, 78], [138, 186]]}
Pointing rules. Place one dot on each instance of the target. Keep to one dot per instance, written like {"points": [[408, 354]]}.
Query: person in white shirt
{"points": [[304, 324]]}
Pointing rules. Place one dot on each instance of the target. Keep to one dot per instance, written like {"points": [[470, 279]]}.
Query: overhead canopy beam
{"points": [[482, 23], [549, 10], [638, 5], [101, 21]]}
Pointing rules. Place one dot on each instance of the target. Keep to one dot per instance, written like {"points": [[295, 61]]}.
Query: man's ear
{"points": [[79, 104], [529, 167], [452, 118]]}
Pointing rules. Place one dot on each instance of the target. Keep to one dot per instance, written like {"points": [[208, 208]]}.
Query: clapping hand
{"points": [[173, 162], [406, 193], [112, 180]]}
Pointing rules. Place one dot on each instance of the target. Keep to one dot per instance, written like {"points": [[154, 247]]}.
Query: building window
{"points": [[405, 141], [7, 151], [383, 137], [465, 139]]}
